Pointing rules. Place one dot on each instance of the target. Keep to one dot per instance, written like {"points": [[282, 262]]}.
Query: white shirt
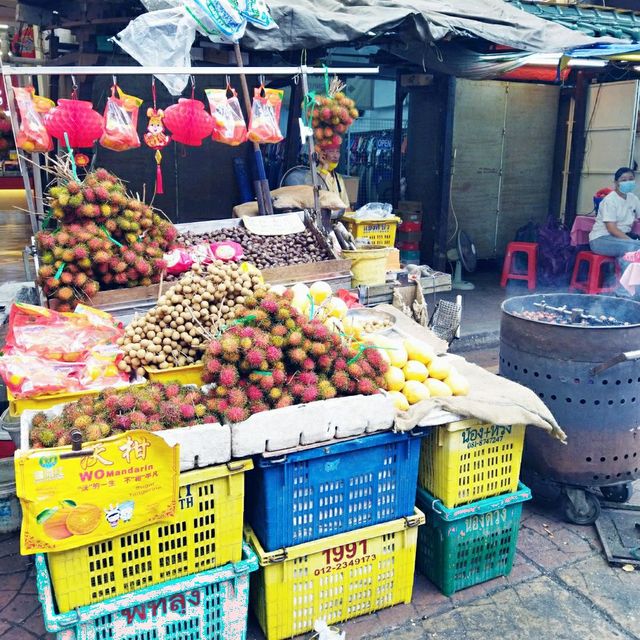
{"points": [[614, 208]]}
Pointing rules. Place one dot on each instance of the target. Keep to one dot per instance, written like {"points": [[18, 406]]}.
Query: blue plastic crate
{"points": [[332, 489], [212, 604], [466, 545]]}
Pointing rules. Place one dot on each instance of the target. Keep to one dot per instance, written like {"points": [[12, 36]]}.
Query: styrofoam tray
{"points": [[201, 445], [315, 422]]}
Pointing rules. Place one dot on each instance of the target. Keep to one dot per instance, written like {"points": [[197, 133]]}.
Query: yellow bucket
{"points": [[368, 265]]}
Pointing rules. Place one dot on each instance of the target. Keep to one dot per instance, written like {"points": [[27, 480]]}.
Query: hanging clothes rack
{"points": [[36, 204]]}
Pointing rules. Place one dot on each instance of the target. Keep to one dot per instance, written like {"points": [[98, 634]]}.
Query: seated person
{"points": [[611, 234]]}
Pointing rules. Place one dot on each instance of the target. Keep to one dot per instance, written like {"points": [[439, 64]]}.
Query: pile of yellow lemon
{"points": [[417, 373]]}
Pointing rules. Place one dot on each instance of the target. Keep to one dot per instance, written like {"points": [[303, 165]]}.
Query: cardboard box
{"points": [[352, 184]]}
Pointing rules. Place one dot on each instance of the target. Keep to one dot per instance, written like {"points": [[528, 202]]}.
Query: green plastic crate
{"points": [[470, 544]]}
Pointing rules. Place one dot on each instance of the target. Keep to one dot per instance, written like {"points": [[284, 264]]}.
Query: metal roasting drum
{"points": [[581, 355]]}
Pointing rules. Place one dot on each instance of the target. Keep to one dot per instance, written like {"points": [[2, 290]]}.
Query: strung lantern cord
{"points": [[71, 156], [153, 91], [193, 87]]}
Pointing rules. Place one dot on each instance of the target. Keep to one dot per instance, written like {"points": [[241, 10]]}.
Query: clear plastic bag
{"points": [[229, 125], [161, 39], [374, 211], [121, 121], [264, 125], [32, 135]]}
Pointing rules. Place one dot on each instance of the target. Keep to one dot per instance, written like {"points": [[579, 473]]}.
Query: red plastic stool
{"points": [[593, 282], [531, 249]]}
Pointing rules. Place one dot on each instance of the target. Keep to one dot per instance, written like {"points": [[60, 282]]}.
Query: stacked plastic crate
{"points": [[472, 498], [186, 579], [335, 531]]}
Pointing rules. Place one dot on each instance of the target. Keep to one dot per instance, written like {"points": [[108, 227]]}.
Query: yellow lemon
{"points": [[420, 351], [415, 370], [394, 378], [458, 384], [337, 308], [415, 391], [320, 291], [439, 369], [399, 400], [437, 388], [394, 348]]}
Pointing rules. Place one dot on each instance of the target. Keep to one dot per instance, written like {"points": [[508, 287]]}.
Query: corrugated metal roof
{"points": [[591, 20]]}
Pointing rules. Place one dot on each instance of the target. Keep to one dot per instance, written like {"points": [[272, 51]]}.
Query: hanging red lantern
{"points": [[77, 119], [188, 122]]}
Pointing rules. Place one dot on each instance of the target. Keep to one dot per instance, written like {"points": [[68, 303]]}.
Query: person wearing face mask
{"points": [[611, 233], [329, 159]]}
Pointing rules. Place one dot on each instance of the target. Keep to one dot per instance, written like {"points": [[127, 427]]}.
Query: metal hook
{"points": [[228, 79], [193, 81], [74, 84], [296, 78], [114, 80], [261, 78]]}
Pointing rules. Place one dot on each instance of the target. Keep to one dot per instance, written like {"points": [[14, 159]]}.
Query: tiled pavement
{"points": [[560, 588]]}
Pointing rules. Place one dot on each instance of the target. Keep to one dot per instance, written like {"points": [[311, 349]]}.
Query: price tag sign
{"points": [[113, 486], [281, 224]]}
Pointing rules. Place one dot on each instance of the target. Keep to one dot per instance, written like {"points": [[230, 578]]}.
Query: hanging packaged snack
{"points": [[32, 135], [228, 123], [121, 121], [265, 116]]}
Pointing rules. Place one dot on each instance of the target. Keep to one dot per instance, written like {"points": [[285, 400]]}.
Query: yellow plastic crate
{"points": [[378, 232], [40, 403], [335, 578], [470, 460], [190, 374], [206, 533]]}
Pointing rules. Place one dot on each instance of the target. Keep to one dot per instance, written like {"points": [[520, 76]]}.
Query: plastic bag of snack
{"points": [[229, 126], [65, 337], [265, 116], [32, 135], [121, 121]]}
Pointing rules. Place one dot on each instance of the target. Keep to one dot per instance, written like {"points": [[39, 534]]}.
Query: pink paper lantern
{"points": [[77, 119], [188, 122]]}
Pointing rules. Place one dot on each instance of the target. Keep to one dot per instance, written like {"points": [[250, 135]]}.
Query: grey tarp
{"points": [[307, 24]]}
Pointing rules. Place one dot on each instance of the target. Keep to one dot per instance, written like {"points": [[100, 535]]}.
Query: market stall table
{"points": [[582, 226]]}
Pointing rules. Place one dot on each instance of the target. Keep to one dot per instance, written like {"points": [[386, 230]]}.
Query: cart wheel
{"points": [[579, 506], [617, 492]]}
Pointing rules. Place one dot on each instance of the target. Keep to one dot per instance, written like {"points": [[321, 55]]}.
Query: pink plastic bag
{"points": [[32, 136]]}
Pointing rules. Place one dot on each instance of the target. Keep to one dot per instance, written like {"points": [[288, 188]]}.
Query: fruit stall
{"points": [[207, 422]]}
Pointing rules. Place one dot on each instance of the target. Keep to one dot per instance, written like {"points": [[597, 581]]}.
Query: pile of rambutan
{"points": [[152, 407], [276, 358], [104, 239]]}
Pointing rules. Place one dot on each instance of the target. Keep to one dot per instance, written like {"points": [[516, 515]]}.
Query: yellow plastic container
{"points": [[40, 403], [368, 265], [206, 533], [379, 232], [335, 578], [470, 460], [190, 374]]}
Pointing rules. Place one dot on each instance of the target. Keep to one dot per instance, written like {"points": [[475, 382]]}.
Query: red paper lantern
{"points": [[77, 119], [188, 122]]}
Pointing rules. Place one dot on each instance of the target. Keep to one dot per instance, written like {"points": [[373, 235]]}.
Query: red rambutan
{"points": [[297, 389], [236, 414], [237, 397], [187, 411], [46, 241], [279, 377], [129, 256], [309, 394], [258, 407], [279, 330], [270, 305], [286, 400], [121, 278], [255, 357], [266, 382], [366, 387], [297, 355], [228, 375], [172, 390], [273, 354], [340, 381], [325, 362], [254, 393], [123, 422], [308, 364], [101, 257]]}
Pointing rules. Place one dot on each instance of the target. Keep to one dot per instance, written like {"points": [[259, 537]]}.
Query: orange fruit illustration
{"points": [[56, 526], [83, 519]]}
